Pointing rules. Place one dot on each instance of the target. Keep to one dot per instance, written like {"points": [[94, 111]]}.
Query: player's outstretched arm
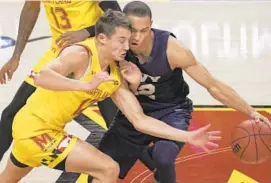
{"points": [[63, 73], [28, 18], [71, 37], [128, 104], [181, 57]]}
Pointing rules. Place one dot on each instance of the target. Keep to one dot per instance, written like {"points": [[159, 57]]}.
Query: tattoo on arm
{"points": [[28, 20]]}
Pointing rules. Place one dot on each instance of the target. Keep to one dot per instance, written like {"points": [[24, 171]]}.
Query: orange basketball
{"points": [[251, 141]]}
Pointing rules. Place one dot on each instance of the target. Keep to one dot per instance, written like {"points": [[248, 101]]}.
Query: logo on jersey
{"points": [[44, 141], [147, 89]]}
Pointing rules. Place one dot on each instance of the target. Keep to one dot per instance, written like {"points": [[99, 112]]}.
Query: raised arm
{"points": [[181, 57], [28, 18], [128, 104]]}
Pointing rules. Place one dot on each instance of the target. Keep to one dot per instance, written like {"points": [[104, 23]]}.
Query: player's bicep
{"points": [[181, 57], [69, 60]]}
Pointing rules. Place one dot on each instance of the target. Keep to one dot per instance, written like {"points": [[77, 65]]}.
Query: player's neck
{"points": [[104, 57], [144, 52]]}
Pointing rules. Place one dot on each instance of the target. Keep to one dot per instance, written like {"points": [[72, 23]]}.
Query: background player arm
{"points": [[28, 18], [128, 104], [181, 57]]}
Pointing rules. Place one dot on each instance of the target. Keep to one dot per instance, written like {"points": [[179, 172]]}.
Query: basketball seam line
{"points": [[256, 145]]}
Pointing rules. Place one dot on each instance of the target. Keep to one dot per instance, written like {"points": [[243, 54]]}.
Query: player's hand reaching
{"points": [[130, 73], [204, 139], [71, 37], [258, 117], [97, 79], [7, 70]]}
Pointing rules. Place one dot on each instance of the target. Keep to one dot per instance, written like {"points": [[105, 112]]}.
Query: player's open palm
{"points": [[130, 72], [7, 70], [205, 139], [97, 79]]}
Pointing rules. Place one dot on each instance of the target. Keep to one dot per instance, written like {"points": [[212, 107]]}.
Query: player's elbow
{"points": [[38, 77], [139, 122]]}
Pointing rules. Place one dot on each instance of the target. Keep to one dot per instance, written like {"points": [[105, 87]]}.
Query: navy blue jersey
{"points": [[161, 87]]}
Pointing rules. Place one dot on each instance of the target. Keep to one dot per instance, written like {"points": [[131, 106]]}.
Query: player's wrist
{"points": [[16, 56], [81, 86], [185, 136], [252, 112]]}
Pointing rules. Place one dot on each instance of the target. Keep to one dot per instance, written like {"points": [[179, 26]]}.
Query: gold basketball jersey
{"points": [[70, 15], [56, 108]]}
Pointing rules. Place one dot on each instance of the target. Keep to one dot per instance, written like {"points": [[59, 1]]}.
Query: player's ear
{"points": [[102, 38], [151, 22]]}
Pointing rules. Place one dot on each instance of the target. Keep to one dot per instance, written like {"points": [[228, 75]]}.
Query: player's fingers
{"points": [[257, 119], [109, 78], [214, 138], [63, 42], [132, 64], [266, 120], [123, 63], [72, 40], [1, 79], [3, 76], [205, 128], [10, 74], [214, 132], [124, 71], [60, 38], [212, 145], [206, 149]]}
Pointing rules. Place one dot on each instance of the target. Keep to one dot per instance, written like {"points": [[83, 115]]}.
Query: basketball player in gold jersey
{"points": [[70, 21], [81, 75]]}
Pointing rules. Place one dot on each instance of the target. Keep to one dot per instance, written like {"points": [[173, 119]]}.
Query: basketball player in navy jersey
{"points": [[162, 95]]}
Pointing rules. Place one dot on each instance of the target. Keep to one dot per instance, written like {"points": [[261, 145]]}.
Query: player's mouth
{"points": [[123, 55], [134, 44]]}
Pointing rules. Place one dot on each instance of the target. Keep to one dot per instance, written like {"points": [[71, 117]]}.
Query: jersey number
{"points": [[61, 18], [147, 90]]}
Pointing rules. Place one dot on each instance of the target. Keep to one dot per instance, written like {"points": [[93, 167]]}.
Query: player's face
{"points": [[141, 29], [118, 43]]}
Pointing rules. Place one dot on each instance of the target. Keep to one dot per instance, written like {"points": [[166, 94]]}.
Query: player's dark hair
{"points": [[137, 8], [109, 21]]}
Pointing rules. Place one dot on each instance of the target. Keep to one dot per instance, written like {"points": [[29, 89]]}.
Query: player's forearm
{"points": [[160, 129], [51, 80], [128, 104], [229, 97], [28, 18]]}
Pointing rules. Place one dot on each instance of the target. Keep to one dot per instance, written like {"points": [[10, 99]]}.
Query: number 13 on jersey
{"points": [[61, 18]]}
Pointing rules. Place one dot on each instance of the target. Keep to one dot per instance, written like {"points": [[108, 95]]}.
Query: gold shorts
{"points": [[48, 149]]}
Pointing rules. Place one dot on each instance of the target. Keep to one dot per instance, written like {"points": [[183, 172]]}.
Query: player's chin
{"points": [[120, 58]]}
